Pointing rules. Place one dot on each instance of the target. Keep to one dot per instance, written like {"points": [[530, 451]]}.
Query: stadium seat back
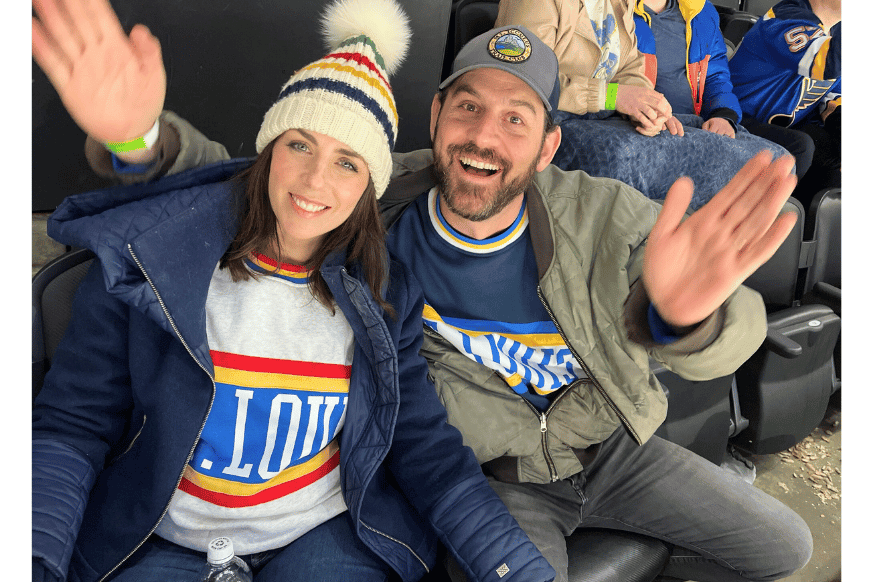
{"points": [[776, 280], [783, 389], [52, 291], [824, 226]]}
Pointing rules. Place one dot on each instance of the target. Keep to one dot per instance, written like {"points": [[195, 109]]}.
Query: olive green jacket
{"points": [[588, 236]]}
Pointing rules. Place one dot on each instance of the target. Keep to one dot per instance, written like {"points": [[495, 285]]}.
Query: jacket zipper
{"points": [[193, 446], [346, 275], [585, 367], [130, 446], [543, 416], [544, 429], [411, 551]]}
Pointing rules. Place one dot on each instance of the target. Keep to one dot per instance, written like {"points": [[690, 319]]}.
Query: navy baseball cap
{"points": [[516, 50]]}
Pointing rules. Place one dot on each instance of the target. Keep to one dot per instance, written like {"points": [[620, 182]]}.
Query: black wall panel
{"points": [[226, 61]]}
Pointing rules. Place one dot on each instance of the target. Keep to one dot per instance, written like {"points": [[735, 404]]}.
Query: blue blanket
{"points": [[612, 148]]}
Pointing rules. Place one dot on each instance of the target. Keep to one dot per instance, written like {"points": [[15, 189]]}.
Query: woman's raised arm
{"points": [[113, 85]]}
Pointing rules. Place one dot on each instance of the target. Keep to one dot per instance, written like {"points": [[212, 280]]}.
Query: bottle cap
{"points": [[220, 550]]}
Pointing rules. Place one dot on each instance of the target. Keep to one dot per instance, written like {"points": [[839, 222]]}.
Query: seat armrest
{"points": [[780, 344], [824, 294]]}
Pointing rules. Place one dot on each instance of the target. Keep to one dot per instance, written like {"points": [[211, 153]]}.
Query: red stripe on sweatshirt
{"points": [[279, 366], [271, 494]]}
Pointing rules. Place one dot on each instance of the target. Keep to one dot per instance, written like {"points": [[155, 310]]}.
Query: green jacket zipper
{"points": [[193, 446], [585, 367], [544, 429]]}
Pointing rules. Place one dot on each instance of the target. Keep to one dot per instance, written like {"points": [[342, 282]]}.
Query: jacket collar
{"points": [[158, 243], [177, 257], [404, 189], [688, 8]]}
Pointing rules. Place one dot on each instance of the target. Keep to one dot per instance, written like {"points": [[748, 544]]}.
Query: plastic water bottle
{"points": [[222, 565]]}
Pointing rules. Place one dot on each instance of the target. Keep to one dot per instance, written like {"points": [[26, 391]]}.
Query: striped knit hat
{"points": [[346, 94]]}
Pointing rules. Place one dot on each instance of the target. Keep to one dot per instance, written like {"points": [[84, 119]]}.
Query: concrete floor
{"points": [[808, 479]]}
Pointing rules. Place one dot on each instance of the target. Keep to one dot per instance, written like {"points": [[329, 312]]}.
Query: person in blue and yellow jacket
{"points": [[692, 71], [787, 74]]}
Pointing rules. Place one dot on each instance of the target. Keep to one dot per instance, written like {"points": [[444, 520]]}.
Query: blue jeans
{"points": [[721, 528], [331, 552]]}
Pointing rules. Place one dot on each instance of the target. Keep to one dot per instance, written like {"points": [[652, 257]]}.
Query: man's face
{"points": [[488, 142]]}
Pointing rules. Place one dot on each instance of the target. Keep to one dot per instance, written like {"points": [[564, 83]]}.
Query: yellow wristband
{"points": [[611, 92], [140, 143]]}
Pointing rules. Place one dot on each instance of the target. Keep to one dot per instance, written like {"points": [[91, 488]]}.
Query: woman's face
{"points": [[315, 183]]}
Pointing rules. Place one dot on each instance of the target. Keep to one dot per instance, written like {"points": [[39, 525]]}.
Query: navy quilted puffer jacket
{"points": [[132, 383]]}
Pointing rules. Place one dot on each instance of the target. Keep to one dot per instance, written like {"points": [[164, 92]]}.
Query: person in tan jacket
{"points": [[615, 124], [596, 47]]}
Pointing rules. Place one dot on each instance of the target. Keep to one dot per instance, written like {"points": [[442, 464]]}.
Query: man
{"points": [[544, 302]]}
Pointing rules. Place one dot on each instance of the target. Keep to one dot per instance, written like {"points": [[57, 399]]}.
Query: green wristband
{"points": [[611, 92], [144, 142], [118, 147]]}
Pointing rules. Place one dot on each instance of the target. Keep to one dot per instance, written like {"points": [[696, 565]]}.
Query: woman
{"points": [[603, 73], [242, 360]]}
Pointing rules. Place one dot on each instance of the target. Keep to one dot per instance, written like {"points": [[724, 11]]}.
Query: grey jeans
{"points": [[722, 529]]}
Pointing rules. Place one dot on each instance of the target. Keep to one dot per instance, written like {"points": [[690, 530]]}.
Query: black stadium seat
{"points": [[823, 277], [785, 386], [734, 25], [823, 227], [758, 7], [52, 291]]}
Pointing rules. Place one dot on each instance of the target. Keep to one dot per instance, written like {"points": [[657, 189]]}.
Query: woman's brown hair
{"points": [[362, 235]]}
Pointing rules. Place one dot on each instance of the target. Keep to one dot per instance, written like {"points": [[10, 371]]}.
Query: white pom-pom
{"points": [[384, 21]]}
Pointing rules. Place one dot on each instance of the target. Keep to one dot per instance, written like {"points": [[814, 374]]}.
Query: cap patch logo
{"points": [[509, 45]]}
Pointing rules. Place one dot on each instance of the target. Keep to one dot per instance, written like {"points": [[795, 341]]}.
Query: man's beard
{"points": [[454, 191]]}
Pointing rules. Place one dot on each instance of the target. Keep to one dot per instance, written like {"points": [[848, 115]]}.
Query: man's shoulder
{"points": [[556, 184], [579, 203], [410, 177]]}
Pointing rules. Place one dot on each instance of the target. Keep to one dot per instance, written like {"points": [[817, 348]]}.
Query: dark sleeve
{"points": [[103, 163], [180, 147], [79, 414], [39, 573], [833, 61], [642, 330], [726, 113], [718, 92]]}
